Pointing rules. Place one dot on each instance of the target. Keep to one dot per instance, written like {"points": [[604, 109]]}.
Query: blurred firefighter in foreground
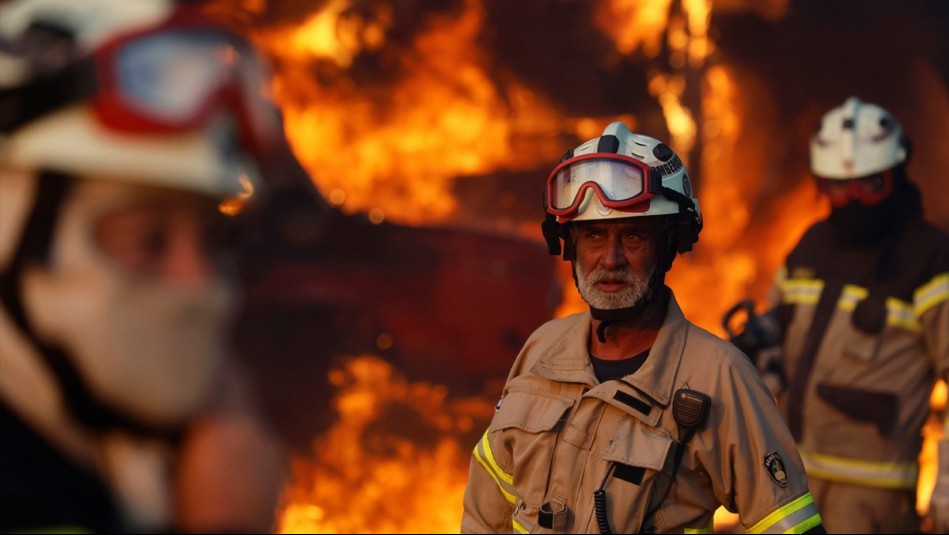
{"points": [[124, 125], [629, 417], [858, 330]]}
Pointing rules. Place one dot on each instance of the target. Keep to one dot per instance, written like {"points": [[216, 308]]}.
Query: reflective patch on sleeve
{"points": [[796, 517], [850, 296], [901, 314], [931, 294], [485, 457], [775, 466], [869, 474], [801, 291]]}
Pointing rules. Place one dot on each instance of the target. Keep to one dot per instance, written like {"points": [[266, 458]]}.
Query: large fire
{"points": [[391, 145]]}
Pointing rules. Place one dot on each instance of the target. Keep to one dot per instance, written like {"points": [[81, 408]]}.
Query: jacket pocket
{"points": [[525, 429], [530, 412], [879, 408], [640, 458]]}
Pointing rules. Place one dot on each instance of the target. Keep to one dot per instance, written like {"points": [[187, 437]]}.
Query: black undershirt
{"points": [[607, 370]]}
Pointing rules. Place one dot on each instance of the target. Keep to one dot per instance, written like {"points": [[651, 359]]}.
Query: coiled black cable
{"points": [[599, 504]]}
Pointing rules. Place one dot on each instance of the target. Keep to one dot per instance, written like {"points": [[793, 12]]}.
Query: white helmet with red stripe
{"points": [[856, 139], [617, 175]]}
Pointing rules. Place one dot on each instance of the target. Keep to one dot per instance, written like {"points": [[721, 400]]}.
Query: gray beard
{"points": [[635, 291]]}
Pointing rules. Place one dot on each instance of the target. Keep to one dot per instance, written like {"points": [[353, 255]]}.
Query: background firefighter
{"points": [[862, 308]]}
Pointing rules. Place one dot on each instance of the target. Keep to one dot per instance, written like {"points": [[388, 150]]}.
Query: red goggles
{"points": [[169, 78], [869, 190], [620, 182]]}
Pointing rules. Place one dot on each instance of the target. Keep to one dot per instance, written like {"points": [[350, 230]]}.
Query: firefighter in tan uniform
{"points": [[629, 418], [863, 300]]}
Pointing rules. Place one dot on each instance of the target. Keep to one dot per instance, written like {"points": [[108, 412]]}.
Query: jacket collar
{"points": [[568, 358]]}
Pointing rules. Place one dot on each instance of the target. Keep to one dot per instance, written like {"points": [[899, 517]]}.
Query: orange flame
{"points": [[396, 461], [393, 152]]}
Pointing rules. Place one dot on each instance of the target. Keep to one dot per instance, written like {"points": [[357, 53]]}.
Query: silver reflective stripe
{"points": [[505, 481], [850, 296], [871, 474], [796, 517], [901, 314], [802, 291], [931, 294]]}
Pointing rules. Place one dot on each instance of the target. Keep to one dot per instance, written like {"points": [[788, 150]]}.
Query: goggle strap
{"points": [[655, 181], [24, 104], [34, 246], [687, 223], [674, 195]]}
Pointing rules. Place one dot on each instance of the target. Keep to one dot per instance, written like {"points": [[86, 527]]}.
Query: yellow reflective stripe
{"points": [[931, 294], [707, 529], [796, 517], [801, 291], [518, 527], [867, 473], [901, 314], [505, 481], [850, 296]]}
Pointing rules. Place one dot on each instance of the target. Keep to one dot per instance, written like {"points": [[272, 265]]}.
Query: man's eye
{"points": [[590, 234]]}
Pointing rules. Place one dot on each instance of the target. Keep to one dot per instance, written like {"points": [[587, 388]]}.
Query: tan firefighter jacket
{"points": [[862, 353], [558, 436]]}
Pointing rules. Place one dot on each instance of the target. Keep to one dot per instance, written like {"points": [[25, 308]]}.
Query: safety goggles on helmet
{"points": [[168, 78], [868, 190], [620, 182]]}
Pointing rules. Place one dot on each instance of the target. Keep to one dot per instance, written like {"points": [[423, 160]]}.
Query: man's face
{"points": [[138, 296], [615, 260]]}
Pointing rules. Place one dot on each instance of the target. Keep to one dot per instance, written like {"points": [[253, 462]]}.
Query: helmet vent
{"points": [[663, 152], [848, 124], [608, 143]]}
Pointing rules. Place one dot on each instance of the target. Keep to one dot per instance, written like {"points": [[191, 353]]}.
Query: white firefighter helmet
{"points": [[107, 95], [140, 90], [622, 174], [856, 139]]}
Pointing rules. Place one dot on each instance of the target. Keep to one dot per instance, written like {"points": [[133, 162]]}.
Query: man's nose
{"points": [[188, 260], [614, 255]]}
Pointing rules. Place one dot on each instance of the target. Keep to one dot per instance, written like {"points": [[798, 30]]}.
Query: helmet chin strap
{"points": [[34, 246]]}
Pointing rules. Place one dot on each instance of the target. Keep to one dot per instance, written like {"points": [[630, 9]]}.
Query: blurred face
{"points": [[615, 260], [137, 295], [869, 190]]}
